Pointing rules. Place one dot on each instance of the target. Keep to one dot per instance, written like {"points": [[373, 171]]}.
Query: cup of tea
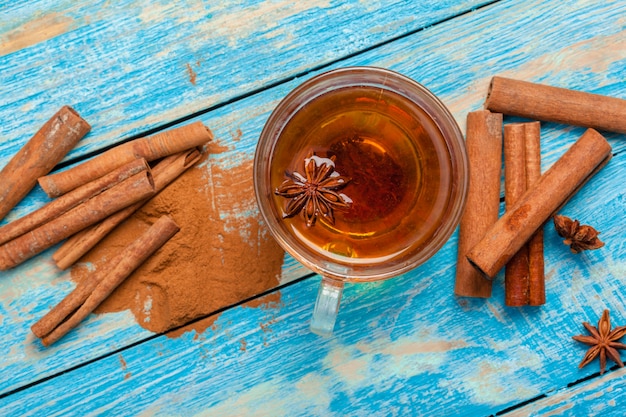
{"points": [[361, 174]]}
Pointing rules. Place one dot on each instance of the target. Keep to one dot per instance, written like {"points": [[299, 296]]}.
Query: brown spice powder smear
{"points": [[221, 255]]}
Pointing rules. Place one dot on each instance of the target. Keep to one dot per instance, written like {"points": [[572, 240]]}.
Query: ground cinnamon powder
{"points": [[223, 253]]}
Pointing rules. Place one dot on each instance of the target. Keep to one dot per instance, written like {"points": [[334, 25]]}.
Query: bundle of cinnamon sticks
{"points": [[515, 241], [89, 200]]}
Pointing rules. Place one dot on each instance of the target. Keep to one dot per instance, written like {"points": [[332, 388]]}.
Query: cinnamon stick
{"points": [[554, 104], [40, 154], [484, 151], [127, 192], [64, 203], [82, 242], [151, 148], [516, 270], [584, 158], [86, 297], [536, 269]]}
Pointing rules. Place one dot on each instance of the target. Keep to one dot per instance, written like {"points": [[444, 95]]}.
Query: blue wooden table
{"points": [[406, 346]]}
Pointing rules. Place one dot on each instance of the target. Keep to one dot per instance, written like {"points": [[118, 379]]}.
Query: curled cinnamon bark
{"points": [[554, 104], [82, 242], [66, 202], [516, 270], [536, 267], [127, 192], [87, 296], [42, 152], [151, 148], [484, 151], [586, 157]]}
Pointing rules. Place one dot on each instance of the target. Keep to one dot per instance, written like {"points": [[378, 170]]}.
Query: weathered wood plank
{"points": [[597, 397], [439, 48], [402, 347], [135, 65]]}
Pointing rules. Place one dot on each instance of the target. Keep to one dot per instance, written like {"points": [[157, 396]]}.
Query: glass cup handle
{"points": [[326, 307]]}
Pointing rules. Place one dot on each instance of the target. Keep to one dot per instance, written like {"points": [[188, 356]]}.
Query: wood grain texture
{"points": [[393, 351], [134, 65], [597, 397]]}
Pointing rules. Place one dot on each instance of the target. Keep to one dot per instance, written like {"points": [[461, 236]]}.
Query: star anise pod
{"points": [[578, 237], [315, 192], [603, 342]]}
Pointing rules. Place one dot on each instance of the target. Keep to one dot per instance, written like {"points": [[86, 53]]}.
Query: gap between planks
{"points": [[156, 335], [269, 86], [194, 115]]}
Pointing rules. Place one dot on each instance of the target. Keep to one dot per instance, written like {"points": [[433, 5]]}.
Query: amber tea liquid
{"points": [[399, 170]]}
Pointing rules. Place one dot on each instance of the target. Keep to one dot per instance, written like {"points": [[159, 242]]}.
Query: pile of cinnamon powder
{"points": [[222, 254]]}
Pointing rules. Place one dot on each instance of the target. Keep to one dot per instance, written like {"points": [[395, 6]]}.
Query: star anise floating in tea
{"points": [[578, 237], [316, 192], [604, 342]]}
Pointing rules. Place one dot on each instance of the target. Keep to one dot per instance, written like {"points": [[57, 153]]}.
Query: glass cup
{"points": [[361, 174]]}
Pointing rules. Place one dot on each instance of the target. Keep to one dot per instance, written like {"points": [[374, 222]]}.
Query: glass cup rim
{"points": [[342, 78]]}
